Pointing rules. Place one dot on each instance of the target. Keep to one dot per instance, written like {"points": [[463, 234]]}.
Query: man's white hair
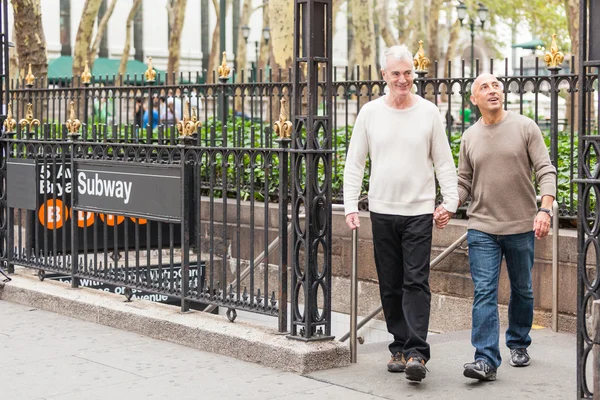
{"points": [[399, 52]]}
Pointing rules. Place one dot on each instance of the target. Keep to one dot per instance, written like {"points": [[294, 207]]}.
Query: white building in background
{"points": [[150, 37]]}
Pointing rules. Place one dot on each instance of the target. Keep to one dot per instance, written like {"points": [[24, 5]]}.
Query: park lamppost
{"points": [[482, 14]]}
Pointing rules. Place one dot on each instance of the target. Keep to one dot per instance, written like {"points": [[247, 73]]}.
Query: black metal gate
{"points": [[588, 261]]}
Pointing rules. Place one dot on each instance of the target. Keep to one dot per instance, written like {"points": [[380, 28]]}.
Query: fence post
{"points": [[72, 127], [311, 144], [553, 60], [283, 128], [596, 349]]}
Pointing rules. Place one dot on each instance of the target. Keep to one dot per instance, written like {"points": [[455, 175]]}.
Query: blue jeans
{"points": [[485, 257]]}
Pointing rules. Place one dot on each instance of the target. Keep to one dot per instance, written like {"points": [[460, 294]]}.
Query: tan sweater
{"points": [[495, 169]]}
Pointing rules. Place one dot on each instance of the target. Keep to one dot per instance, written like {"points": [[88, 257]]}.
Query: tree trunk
{"points": [[84, 36], [100, 33], [335, 8], [282, 37], [384, 23], [175, 38], [416, 26], [433, 27], [127, 47], [450, 53], [241, 55], [265, 52], [363, 52], [30, 45], [29, 35]]}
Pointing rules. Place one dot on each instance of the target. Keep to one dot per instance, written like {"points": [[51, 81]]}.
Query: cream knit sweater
{"points": [[404, 146]]}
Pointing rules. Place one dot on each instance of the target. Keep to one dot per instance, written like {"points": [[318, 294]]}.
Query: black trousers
{"points": [[402, 251]]}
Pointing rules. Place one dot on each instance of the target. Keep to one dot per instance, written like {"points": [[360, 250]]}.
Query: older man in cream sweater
{"points": [[404, 137]]}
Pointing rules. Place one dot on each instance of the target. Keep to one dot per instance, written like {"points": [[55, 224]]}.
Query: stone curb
{"points": [[202, 331]]}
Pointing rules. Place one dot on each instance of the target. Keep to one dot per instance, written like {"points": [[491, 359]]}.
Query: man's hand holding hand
{"points": [[441, 216]]}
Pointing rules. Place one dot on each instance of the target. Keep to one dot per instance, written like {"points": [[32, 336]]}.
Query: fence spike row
{"points": [[224, 69], [554, 58], [73, 124], [30, 78], [29, 121], [86, 76], [283, 127], [421, 62], [150, 73], [9, 123]]}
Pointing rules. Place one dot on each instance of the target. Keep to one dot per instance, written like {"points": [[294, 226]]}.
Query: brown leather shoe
{"points": [[397, 363]]}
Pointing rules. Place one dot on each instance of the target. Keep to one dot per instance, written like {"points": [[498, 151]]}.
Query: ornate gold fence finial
{"points": [[9, 123], [283, 127], [188, 126], [421, 62], [73, 124], [29, 121], [554, 57], [29, 79], [150, 73], [224, 69], [86, 76]]}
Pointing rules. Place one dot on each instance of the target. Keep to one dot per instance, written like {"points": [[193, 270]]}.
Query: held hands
{"points": [[352, 221], [541, 225], [441, 217]]}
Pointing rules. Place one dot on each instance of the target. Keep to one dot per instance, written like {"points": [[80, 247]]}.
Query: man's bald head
{"points": [[484, 77], [487, 93]]}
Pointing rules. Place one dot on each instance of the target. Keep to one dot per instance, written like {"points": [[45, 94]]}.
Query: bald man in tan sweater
{"points": [[497, 157]]}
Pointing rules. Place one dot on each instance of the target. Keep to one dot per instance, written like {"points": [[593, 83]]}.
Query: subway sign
{"points": [[53, 209], [139, 190]]}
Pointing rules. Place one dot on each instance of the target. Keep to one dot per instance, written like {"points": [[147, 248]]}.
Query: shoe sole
{"points": [[473, 374], [415, 374], [396, 370], [519, 365]]}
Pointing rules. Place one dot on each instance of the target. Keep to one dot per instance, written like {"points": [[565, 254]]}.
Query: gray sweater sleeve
{"points": [[540, 160], [465, 173]]}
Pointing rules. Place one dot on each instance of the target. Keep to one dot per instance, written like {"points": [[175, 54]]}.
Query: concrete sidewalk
{"points": [[54, 357]]}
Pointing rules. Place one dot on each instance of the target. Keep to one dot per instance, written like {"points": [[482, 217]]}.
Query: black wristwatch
{"points": [[547, 211]]}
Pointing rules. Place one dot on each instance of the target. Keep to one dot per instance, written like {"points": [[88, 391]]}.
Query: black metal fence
{"points": [[251, 109]]}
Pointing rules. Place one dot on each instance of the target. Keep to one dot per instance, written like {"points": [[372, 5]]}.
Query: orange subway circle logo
{"points": [[53, 214], [85, 219], [139, 221], [112, 220]]}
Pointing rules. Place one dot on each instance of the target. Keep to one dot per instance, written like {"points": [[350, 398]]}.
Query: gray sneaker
{"points": [[519, 358], [481, 370], [397, 363]]}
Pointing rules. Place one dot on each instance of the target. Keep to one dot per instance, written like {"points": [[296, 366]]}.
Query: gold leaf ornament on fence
{"points": [[86, 76], [554, 57], [224, 69], [150, 73], [283, 127], [9, 123], [29, 121], [188, 126], [72, 124], [421, 62], [29, 79]]}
